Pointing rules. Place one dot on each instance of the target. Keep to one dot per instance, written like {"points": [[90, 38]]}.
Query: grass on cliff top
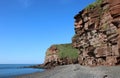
{"points": [[66, 50], [95, 4]]}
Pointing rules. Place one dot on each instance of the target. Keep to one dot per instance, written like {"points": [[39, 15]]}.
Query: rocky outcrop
{"points": [[51, 58], [52, 54], [62, 54], [97, 33]]}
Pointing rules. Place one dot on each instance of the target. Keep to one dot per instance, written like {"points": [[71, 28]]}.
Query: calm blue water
{"points": [[8, 70]]}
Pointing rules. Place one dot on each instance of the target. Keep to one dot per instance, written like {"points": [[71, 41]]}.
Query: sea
{"points": [[11, 70]]}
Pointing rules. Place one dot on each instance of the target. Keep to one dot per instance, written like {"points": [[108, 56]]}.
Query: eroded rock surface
{"points": [[61, 54], [97, 34]]}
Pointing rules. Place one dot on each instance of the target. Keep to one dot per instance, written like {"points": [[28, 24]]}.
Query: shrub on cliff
{"points": [[93, 5]]}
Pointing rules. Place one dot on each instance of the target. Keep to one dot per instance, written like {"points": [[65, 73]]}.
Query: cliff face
{"points": [[61, 54], [97, 33]]}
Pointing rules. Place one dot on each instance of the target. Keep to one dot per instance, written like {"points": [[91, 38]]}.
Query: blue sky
{"points": [[29, 27]]}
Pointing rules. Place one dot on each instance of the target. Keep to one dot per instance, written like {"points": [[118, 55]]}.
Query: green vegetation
{"points": [[93, 5], [66, 50]]}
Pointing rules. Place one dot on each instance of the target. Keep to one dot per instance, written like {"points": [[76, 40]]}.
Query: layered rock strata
{"points": [[97, 34]]}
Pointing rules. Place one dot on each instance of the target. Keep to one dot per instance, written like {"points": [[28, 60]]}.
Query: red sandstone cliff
{"points": [[62, 54], [97, 33]]}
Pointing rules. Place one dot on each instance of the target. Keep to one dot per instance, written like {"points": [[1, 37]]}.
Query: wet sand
{"points": [[77, 71]]}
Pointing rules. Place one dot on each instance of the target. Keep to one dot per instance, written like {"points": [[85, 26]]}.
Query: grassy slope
{"points": [[66, 50]]}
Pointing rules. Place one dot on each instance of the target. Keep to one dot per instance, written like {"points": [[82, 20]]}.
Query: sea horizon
{"points": [[9, 70]]}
